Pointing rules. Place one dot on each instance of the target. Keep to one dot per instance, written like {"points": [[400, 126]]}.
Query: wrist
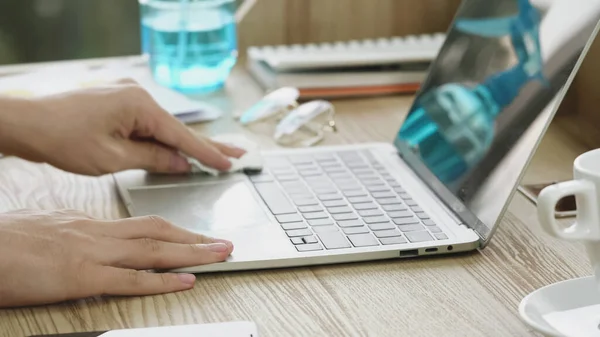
{"points": [[18, 119]]}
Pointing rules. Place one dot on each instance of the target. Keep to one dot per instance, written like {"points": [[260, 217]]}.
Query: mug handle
{"points": [[586, 214]]}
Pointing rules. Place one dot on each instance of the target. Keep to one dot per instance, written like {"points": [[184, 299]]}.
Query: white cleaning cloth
{"points": [[251, 160]]}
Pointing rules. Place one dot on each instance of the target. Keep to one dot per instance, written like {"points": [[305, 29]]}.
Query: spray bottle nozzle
{"points": [[523, 29]]}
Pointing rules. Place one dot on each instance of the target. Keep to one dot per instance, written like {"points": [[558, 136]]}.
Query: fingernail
{"points": [[228, 243], [187, 279], [217, 247], [179, 164]]}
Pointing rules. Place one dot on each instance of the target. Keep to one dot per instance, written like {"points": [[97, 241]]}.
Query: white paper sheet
{"points": [[580, 322]]}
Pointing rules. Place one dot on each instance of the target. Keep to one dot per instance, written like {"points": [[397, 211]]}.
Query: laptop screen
{"points": [[490, 93]]}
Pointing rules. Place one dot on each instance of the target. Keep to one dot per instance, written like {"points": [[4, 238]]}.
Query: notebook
{"points": [[349, 68]]}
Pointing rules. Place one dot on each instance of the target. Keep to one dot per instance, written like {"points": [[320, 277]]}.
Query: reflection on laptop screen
{"points": [[494, 87]]}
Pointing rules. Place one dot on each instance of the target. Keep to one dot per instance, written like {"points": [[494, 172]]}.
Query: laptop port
{"points": [[431, 250], [412, 252]]}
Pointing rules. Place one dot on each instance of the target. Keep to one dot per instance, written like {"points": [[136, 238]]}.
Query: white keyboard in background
{"points": [[395, 50]]}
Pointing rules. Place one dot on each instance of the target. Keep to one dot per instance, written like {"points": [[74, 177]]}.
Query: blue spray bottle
{"points": [[452, 126]]}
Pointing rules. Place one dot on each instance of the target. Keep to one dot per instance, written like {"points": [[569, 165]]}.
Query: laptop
{"points": [[440, 187]]}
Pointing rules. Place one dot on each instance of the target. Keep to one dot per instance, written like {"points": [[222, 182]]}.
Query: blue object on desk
{"points": [[191, 45]]}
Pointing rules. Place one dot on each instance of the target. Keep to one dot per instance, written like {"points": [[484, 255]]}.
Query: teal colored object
{"points": [[452, 126], [191, 45]]}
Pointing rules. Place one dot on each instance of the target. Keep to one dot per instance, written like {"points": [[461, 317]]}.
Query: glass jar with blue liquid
{"points": [[191, 45]]}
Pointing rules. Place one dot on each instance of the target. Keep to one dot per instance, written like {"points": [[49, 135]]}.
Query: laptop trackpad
{"points": [[212, 207]]}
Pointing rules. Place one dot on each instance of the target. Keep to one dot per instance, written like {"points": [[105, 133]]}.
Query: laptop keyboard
{"points": [[341, 200]]}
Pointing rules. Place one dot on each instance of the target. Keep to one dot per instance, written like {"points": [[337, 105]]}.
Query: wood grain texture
{"points": [[472, 294]]}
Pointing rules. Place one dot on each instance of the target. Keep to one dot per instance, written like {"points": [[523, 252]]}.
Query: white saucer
{"points": [[560, 296]]}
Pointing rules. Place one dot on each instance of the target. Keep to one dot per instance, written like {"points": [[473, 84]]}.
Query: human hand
{"points": [[109, 129], [49, 257]]}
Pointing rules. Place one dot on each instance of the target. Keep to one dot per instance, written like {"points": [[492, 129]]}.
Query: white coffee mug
{"points": [[586, 188]]}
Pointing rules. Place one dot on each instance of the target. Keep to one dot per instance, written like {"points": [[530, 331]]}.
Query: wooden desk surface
{"points": [[471, 294]]}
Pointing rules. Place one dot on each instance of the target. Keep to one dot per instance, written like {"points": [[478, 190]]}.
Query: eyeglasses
{"points": [[297, 124]]}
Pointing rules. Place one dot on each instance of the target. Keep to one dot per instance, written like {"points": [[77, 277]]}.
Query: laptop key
{"points": [[358, 200], [320, 222], [404, 195], [310, 239], [370, 212], [396, 240], [422, 216], [315, 215], [334, 203], [441, 236], [309, 248], [382, 226], [389, 201], [363, 240], [364, 206], [324, 190], [400, 214], [310, 209], [356, 230], [428, 222], [419, 236], [352, 187], [405, 221], [435, 229], [417, 209], [299, 232], [410, 202], [340, 210], [377, 188], [394, 207], [325, 197], [351, 223], [355, 192], [324, 229], [375, 219], [345, 216], [273, 196], [341, 176], [411, 228], [334, 240], [310, 173], [285, 218], [293, 225], [383, 195], [332, 170], [387, 233], [297, 241]]}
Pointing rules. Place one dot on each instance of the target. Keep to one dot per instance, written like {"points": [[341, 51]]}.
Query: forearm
{"points": [[17, 125]]}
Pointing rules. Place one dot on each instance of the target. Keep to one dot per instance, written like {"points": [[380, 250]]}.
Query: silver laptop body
{"points": [[440, 187]]}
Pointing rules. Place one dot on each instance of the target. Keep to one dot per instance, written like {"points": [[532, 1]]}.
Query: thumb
{"points": [[155, 158], [129, 282]]}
